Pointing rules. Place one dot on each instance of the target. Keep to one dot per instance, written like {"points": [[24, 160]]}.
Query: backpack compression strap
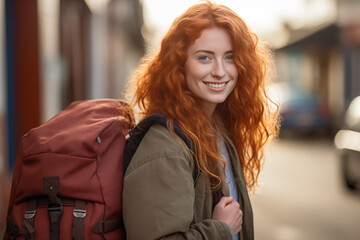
{"points": [[138, 133]]}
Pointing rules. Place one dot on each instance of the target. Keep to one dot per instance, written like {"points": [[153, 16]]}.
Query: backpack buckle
{"points": [[55, 213], [79, 213], [30, 214]]}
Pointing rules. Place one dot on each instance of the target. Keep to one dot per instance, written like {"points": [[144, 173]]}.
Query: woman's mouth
{"points": [[216, 86]]}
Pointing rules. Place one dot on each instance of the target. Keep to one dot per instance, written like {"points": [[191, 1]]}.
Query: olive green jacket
{"points": [[160, 200]]}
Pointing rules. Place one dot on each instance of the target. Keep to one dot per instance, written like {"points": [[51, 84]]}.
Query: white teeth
{"points": [[216, 85]]}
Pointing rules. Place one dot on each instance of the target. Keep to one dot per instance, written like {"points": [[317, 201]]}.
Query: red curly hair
{"points": [[159, 86]]}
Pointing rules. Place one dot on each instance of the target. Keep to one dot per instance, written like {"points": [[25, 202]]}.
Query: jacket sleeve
{"points": [[158, 201]]}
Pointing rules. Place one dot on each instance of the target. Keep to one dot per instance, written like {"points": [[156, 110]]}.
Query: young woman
{"points": [[210, 77]]}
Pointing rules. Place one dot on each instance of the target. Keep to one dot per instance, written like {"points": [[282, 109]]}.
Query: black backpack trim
{"points": [[139, 131]]}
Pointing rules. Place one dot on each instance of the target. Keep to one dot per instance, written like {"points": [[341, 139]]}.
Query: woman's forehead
{"points": [[211, 39]]}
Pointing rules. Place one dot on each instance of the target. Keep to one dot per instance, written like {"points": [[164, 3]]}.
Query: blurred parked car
{"points": [[348, 141], [305, 114]]}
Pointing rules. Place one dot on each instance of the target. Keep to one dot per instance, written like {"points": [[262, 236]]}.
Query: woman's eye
{"points": [[229, 58], [204, 58]]}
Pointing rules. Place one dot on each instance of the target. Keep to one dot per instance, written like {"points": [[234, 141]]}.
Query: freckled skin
{"points": [[211, 73]]}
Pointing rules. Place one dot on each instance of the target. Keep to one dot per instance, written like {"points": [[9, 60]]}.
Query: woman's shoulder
{"points": [[165, 142], [158, 143]]}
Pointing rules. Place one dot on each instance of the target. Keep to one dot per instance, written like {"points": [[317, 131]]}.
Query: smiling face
{"points": [[211, 73]]}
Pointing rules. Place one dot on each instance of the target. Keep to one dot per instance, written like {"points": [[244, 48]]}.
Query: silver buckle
{"points": [[30, 214], [79, 213]]}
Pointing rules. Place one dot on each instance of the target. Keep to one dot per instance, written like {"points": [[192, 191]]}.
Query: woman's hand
{"points": [[228, 211]]}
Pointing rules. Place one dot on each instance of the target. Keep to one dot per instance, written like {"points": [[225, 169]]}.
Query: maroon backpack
{"points": [[68, 175]]}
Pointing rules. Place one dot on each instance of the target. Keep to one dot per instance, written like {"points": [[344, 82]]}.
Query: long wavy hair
{"points": [[246, 117]]}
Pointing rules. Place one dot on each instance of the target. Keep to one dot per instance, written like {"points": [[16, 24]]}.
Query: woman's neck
{"points": [[209, 110]]}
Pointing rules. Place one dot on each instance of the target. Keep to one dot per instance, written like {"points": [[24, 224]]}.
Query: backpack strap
{"points": [[138, 133], [51, 186], [14, 231], [104, 226], [79, 215], [28, 222], [28, 229]]}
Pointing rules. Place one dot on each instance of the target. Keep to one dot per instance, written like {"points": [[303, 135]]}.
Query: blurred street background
{"points": [[302, 195], [53, 52]]}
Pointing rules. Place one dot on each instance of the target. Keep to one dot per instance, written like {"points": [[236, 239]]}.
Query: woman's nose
{"points": [[218, 70]]}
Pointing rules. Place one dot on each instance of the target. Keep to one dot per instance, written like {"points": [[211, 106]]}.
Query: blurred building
{"points": [[55, 52], [322, 62]]}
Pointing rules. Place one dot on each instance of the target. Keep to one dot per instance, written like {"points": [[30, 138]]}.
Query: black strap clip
{"points": [[55, 214]]}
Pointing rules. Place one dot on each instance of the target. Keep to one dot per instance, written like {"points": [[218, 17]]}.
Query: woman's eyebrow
{"points": [[204, 51], [211, 52]]}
